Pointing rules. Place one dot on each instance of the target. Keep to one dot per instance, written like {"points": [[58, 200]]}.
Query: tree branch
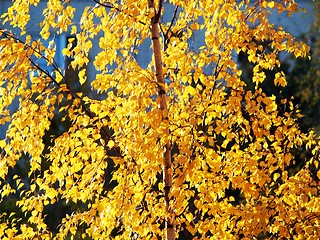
{"points": [[111, 6], [55, 67]]}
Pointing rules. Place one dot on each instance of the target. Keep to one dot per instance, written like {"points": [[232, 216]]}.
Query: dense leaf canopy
{"points": [[226, 150]]}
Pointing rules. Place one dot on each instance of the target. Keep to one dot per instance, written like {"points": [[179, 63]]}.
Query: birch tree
{"points": [[191, 152]]}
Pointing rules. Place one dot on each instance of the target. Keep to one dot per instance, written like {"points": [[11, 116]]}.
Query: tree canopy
{"points": [[180, 148]]}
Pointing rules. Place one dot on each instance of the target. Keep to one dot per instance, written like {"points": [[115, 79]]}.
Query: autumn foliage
{"points": [[180, 144]]}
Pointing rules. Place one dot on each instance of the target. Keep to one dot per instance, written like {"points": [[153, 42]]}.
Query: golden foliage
{"points": [[224, 137]]}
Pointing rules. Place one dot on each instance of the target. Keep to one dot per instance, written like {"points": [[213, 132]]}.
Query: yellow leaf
{"points": [[111, 144], [82, 77], [194, 26], [276, 176], [73, 29], [271, 4], [190, 90], [58, 77], [2, 143], [189, 217], [280, 79]]}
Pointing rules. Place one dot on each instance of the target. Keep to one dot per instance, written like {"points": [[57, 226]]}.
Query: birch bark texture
{"points": [[167, 160]]}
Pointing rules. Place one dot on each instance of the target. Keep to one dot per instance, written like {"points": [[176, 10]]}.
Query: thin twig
{"points": [[45, 72], [111, 6]]}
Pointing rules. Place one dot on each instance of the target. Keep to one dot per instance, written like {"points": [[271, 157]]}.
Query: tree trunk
{"points": [[167, 161]]}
